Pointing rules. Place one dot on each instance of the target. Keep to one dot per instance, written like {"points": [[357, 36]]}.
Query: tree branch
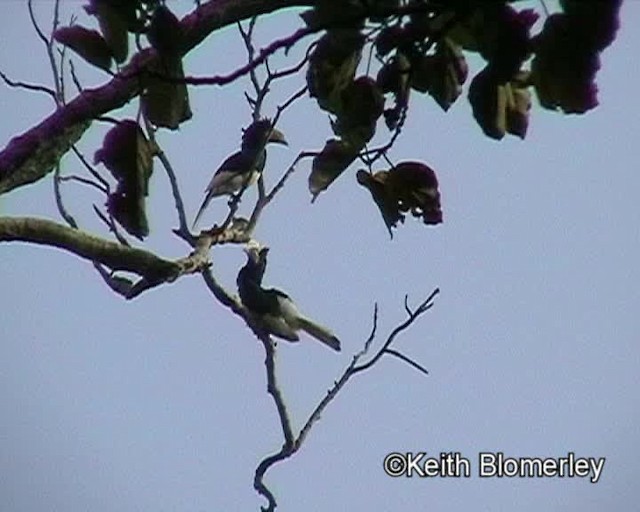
{"points": [[90, 247], [33, 154], [292, 445]]}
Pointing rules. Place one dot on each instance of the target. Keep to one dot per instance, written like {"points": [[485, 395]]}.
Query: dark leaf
{"points": [[563, 71], [518, 106], [597, 22], [334, 158], [128, 155], [165, 100], [407, 187], [441, 74], [500, 107], [387, 204], [89, 44], [114, 18], [335, 14], [414, 185], [165, 32], [389, 39], [129, 212], [362, 105], [488, 102], [393, 77], [380, 10], [332, 66], [506, 41]]}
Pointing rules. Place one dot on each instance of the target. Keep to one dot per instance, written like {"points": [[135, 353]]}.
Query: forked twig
{"points": [[292, 444]]}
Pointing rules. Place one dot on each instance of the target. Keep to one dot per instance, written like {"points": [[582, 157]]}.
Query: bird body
{"points": [[242, 168], [276, 310]]}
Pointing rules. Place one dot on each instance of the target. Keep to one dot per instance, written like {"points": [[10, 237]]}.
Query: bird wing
{"points": [[231, 175], [237, 171], [297, 320]]}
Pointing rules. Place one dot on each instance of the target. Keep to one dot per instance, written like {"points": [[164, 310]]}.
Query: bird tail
{"points": [[205, 203], [319, 332]]}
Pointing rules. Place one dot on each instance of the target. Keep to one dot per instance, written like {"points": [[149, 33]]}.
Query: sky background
{"points": [[160, 403]]}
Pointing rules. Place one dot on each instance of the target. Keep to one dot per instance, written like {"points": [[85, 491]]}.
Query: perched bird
{"points": [[243, 167], [276, 310]]}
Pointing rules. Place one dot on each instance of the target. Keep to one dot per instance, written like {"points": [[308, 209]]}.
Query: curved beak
{"points": [[277, 137]]}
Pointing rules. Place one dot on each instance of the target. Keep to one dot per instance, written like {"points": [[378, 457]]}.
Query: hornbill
{"points": [[276, 310], [243, 167]]}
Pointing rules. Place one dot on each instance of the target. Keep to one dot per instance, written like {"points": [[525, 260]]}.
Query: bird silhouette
{"points": [[242, 168], [276, 310]]}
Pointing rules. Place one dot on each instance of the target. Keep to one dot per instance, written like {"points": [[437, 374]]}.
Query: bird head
{"points": [[260, 133], [255, 252]]}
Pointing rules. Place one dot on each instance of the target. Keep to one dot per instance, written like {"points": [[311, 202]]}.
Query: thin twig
{"points": [[173, 181], [111, 224], [85, 181], [68, 218], [30, 87], [49, 48], [91, 169], [263, 54]]}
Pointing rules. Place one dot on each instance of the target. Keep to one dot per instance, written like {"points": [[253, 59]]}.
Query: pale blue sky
{"points": [[160, 403]]}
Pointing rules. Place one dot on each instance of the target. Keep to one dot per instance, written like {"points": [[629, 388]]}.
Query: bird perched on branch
{"points": [[275, 309], [243, 168]]}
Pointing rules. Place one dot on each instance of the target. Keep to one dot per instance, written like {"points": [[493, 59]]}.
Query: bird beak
{"points": [[277, 137], [253, 249]]}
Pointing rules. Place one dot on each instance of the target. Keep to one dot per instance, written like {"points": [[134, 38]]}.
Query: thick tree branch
{"points": [[114, 255]]}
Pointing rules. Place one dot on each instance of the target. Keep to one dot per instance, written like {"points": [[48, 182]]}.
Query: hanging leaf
{"points": [[568, 58], [393, 78], [332, 66], [335, 14], [380, 10], [415, 187], [500, 107], [114, 18], [89, 44], [488, 102], [518, 106], [597, 22], [334, 158], [441, 74], [362, 105], [129, 212], [128, 155], [165, 32], [165, 99], [506, 42], [389, 39], [387, 204], [408, 187]]}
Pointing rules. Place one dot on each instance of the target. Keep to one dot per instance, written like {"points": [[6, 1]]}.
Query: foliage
{"points": [[369, 59]]}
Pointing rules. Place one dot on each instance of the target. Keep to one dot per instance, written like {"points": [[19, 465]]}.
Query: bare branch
{"points": [[407, 360], [48, 44], [89, 247], [284, 43], [426, 305], [68, 218], [111, 224], [90, 168], [84, 181], [29, 87], [290, 448]]}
